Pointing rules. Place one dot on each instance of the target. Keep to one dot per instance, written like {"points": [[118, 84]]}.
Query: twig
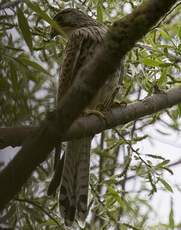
{"points": [[102, 204], [39, 207], [166, 15], [9, 4]]}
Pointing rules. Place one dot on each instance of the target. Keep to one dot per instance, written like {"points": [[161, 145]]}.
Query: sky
{"points": [[168, 146]]}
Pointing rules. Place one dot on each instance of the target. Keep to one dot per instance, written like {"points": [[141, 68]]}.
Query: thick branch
{"points": [[119, 40], [88, 126]]}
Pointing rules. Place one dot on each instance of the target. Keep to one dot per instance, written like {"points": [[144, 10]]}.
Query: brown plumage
{"points": [[85, 36]]}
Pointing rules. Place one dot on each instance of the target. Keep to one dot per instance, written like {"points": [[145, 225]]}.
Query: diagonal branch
{"points": [[90, 125], [119, 40]]}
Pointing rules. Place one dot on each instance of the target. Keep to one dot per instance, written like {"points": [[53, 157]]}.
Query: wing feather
{"points": [[80, 48]]}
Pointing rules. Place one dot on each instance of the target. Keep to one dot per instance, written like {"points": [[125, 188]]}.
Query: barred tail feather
{"points": [[83, 180], [74, 187]]}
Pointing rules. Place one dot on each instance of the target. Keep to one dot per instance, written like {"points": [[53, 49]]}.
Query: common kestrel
{"points": [[85, 35]]}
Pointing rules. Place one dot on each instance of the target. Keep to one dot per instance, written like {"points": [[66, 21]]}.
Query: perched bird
{"points": [[85, 36]]}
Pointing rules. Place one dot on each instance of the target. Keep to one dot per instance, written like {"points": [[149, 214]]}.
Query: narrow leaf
{"points": [[24, 27], [155, 156], [35, 7], [33, 64], [99, 12], [162, 164], [116, 196], [152, 63], [166, 185], [163, 78], [165, 34], [171, 217]]}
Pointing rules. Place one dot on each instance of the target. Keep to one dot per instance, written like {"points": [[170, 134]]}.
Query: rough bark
{"points": [[92, 124]]}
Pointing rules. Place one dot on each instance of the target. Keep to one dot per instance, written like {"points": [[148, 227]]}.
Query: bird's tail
{"points": [[75, 181]]}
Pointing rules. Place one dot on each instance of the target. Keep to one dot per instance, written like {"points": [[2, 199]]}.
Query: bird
{"points": [[84, 36]]}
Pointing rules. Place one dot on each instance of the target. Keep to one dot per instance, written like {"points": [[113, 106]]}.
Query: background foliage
{"points": [[123, 179]]}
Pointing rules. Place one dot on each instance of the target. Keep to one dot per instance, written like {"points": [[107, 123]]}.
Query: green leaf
{"points": [[179, 110], [130, 226], [152, 63], [35, 7], [153, 185], [24, 27], [116, 196], [99, 12], [166, 185], [33, 64], [163, 78], [165, 34], [179, 31], [168, 170], [155, 156], [162, 164], [171, 217], [140, 138]]}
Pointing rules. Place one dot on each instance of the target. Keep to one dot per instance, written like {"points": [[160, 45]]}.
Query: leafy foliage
{"points": [[29, 68]]}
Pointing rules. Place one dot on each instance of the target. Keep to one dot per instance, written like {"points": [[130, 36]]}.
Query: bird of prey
{"points": [[85, 35]]}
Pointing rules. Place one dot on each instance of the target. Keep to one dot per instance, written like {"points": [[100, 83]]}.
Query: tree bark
{"points": [[91, 125]]}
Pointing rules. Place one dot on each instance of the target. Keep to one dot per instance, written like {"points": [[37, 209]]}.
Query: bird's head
{"points": [[71, 19]]}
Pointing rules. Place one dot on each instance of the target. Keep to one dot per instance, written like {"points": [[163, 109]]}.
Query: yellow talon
{"points": [[96, 113], [117, 103]]}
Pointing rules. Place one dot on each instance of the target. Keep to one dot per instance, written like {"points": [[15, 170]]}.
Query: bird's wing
{"points": [[80, 48]]}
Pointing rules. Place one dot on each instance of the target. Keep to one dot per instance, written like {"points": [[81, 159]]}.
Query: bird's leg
{"points": [[94, 112]]}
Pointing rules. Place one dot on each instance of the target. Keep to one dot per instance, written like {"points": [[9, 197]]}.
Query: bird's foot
{"points": [[117, 103], [95, 112], [158, 90]]}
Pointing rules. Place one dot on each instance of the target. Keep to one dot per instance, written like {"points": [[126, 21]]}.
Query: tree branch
{"points": [[36, 205], [90, 125], [121, 38]]}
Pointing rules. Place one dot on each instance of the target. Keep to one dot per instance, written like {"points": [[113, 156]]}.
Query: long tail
{"points": [[75, 181]]}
